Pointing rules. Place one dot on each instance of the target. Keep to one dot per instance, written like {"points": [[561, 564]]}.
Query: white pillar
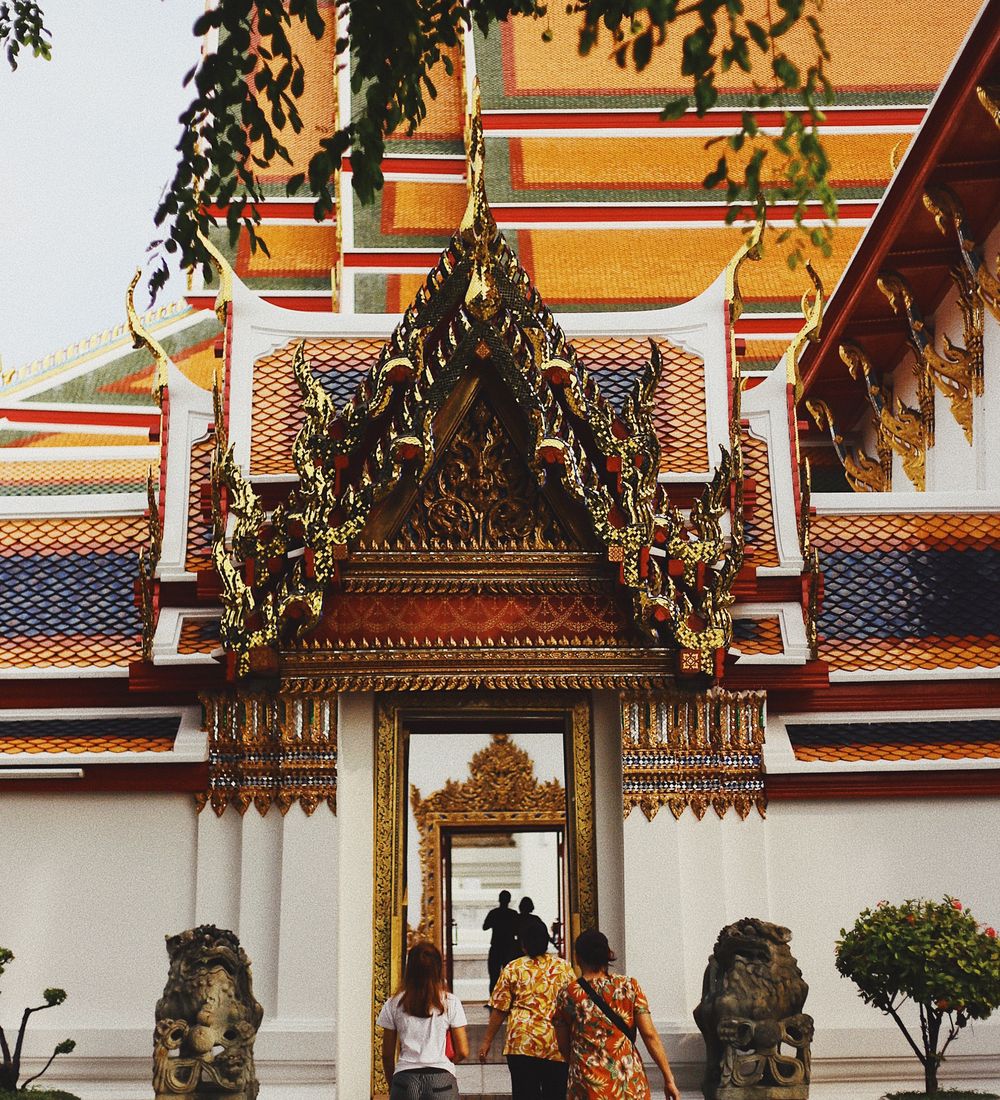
{"points": [[307, 951], [260, 903], [354, 911], [217, 875]]}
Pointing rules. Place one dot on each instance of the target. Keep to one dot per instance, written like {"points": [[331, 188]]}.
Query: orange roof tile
{"points": [[760, 536], [339, 364], [639, 266], [758, 636], [199, 526], [636, 162], [917, 47]]}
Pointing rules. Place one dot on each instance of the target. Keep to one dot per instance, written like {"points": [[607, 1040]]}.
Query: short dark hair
{"points": [[526, 905], [592, 949], [534, 935], [504, 898]]}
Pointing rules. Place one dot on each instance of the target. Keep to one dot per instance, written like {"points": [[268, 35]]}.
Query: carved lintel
{"points": [[693, 750], [953, 371], [899, 426]]}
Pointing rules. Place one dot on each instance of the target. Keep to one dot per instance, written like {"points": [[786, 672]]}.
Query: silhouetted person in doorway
{"points": [[504, 947]]}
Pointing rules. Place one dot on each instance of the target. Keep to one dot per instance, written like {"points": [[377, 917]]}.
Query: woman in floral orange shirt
{"points": [[525, 994], [604, 1061]]}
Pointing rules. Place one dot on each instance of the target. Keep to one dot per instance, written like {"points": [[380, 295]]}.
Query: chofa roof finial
{"points": [[478, 226]]}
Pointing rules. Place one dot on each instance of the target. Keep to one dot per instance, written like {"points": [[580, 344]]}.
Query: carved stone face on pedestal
{"points": [[206, 1020], [751, 1008]]}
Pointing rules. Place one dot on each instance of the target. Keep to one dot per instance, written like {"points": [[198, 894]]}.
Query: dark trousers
{"points": [[536, 1078], [423, 1084]]}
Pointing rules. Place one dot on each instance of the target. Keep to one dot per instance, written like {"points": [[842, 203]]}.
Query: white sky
{"points": [[86, 146]]}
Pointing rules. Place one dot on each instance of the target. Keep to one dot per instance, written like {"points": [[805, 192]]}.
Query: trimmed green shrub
{"points": [[932, 953]]}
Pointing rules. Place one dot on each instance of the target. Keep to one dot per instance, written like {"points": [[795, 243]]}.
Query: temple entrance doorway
{"points": [[476, 865], [473, 795]]}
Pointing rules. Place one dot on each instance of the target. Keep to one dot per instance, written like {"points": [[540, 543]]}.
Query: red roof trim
{"points": [[892, 215]]}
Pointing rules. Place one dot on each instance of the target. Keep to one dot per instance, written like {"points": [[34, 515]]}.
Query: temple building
{"points": [[531, 529]]}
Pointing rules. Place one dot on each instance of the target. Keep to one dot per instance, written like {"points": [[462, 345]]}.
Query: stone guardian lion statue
{"points": [[206, 1020], [757, 1039]]}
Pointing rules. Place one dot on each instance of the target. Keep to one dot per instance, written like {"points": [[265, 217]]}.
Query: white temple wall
{"points": [[812, 866], [103, 878]]}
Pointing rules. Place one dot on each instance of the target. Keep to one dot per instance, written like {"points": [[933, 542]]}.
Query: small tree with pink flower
{"points": [[933, 954]]}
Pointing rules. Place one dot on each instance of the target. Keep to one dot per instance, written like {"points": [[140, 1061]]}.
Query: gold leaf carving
{"points": [[482, 495]]}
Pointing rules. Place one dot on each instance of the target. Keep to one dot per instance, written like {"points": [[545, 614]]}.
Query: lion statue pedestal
{"points": [[757, 1038], [206, 1020]]}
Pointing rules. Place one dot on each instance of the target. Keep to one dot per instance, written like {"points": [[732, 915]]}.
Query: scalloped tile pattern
{"points": [[198, 635], [679, 402], [199, 528], [67, 591], [909, 591], [338, 364], [760, 526], [879, 741], [758, 636], [138, 734]]}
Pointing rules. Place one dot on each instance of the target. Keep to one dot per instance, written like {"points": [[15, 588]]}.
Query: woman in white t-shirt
{"points": [[421, 1017]]}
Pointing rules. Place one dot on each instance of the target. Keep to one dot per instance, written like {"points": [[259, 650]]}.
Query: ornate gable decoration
{"points": [[478, 322]]}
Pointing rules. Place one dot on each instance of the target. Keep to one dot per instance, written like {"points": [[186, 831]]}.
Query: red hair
{"points": [[423, 981]]}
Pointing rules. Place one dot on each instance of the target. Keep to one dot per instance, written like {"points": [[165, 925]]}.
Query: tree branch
{"points": [[902, 1027], [52, 1058]]}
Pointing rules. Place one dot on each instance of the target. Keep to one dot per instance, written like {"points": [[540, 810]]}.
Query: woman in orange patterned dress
{"points": [[525, 995], [604, 1061]]}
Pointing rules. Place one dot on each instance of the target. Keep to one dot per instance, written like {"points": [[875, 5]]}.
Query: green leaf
{"points": [[675, 108], [759, 35]]}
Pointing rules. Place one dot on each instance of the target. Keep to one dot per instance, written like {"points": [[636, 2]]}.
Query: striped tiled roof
{"points": [[909, 592], [78, 735], [67, 589], [839, 742]]}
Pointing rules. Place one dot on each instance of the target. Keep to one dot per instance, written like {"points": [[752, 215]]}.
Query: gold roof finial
{"points": [[812, 312], [143, 338], [478, 226]]}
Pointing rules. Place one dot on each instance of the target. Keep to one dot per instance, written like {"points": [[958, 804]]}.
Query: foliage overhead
{"points": [[10, 1066], [933, 954], [250, 80], [22, 27]]}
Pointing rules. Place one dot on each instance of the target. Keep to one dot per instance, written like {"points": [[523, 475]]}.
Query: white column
{"points": [[353, 911], [655, 916], [217, 874], [260, 902], [307, 950]]}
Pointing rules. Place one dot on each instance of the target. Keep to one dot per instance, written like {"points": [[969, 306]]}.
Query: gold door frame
{"points": [[511, 709]]}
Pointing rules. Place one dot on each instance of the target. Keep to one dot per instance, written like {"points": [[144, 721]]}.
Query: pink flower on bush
{"points": [[956, 904], [992, 933]]}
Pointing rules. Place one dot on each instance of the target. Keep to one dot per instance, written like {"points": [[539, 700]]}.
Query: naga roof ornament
{"points": [[477, 315]]}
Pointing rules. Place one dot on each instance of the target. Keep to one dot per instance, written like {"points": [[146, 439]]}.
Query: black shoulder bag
{"points": [[602, 1004]]}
